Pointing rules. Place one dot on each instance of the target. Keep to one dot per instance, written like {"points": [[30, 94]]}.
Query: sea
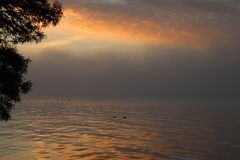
{"points": [[81, 130]]}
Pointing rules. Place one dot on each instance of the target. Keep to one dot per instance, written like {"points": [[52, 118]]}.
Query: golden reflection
{"points": [[91, 142]]}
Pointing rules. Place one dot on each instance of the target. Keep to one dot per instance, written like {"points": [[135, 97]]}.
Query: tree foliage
{"points": [[13, 66], [20, 21], [23, 20]]}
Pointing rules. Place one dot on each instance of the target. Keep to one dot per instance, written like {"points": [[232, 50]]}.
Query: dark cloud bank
{"points": [[167, 75]]}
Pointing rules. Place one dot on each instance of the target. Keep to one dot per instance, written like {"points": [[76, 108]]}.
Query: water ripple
{"points": [[72, 131]]}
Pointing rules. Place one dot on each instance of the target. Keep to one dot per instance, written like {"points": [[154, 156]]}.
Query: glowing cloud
{"points": [[188, 24]]}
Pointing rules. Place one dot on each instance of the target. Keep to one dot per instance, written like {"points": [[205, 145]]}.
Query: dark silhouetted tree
{"points": [[20, 21], [13, 66]]}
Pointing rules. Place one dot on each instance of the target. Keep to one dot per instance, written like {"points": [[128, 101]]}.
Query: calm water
{"points": [[76, 130]]}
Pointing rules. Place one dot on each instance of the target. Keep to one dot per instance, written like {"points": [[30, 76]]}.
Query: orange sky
{"points": [[97, 24]]}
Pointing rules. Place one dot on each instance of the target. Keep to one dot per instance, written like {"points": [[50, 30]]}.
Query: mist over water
{"points": [[179, 53], [70, 130]]}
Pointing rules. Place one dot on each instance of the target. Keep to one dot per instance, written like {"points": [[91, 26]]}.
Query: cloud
{"points": [[194, 23], [175, 74], [142, 49]]}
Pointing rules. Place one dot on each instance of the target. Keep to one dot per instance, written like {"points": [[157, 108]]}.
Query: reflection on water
{"points": [[59, 130]]}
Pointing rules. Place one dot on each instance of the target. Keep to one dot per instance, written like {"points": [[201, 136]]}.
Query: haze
{"points": [[162, 50]]}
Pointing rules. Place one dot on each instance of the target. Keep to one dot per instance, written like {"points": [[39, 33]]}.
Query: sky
{"points": [[152, 50]]}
